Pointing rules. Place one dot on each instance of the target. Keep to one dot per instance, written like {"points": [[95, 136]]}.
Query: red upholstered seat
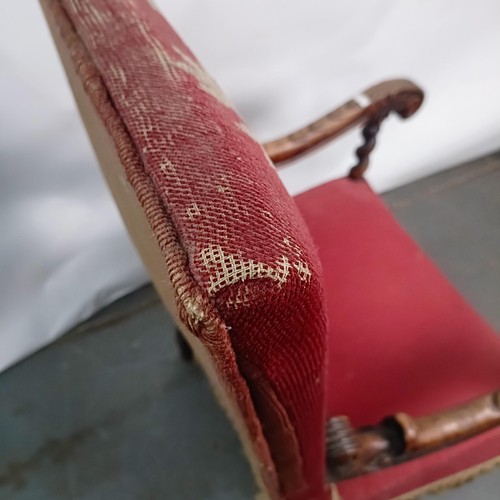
{"points": [[401, 338]]}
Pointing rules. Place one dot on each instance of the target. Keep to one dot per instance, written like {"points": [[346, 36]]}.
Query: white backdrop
{"points": [[64, 252]]}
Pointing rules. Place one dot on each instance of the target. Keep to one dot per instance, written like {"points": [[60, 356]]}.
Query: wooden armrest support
{"points": [[353, 452], [400, 96]]}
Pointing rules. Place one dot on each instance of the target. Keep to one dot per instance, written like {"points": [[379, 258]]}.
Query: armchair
{"points": [[320, 324]]}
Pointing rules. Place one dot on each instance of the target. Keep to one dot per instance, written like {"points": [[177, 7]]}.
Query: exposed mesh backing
{"points": [[238, 253]]}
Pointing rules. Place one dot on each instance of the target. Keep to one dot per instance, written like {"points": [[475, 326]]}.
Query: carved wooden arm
{"points": [[353, 452], [369, 109]]}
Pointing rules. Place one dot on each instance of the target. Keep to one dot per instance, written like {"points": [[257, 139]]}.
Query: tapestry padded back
{"points": [[239, 256]]}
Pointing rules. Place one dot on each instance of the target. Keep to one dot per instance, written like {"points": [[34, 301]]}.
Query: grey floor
{"points": [[111, 412]]}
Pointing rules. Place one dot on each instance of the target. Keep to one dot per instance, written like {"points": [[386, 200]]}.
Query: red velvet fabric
{"points": [[401, 337], [248, 270]]}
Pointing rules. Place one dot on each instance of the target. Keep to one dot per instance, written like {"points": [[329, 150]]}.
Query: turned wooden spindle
{"points": [[370, 132]]}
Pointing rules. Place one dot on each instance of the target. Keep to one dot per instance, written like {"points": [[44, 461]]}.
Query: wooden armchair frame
{"points": [[285, 444], [369, 109]]}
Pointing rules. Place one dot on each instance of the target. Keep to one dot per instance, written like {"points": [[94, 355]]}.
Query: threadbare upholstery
{"points": [[244, 270]]}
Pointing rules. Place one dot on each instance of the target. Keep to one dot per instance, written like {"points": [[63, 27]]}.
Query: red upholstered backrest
{"points": [[248, 256]]}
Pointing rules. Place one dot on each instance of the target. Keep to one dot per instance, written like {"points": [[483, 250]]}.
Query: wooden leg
{"points": [[184, 348]]}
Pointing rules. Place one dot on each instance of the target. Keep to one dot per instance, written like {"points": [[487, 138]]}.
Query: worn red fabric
{"points": [[402, 338], [244, 263]]}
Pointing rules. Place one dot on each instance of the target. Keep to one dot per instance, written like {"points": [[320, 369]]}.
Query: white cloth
{"points": [[64, 252]]}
